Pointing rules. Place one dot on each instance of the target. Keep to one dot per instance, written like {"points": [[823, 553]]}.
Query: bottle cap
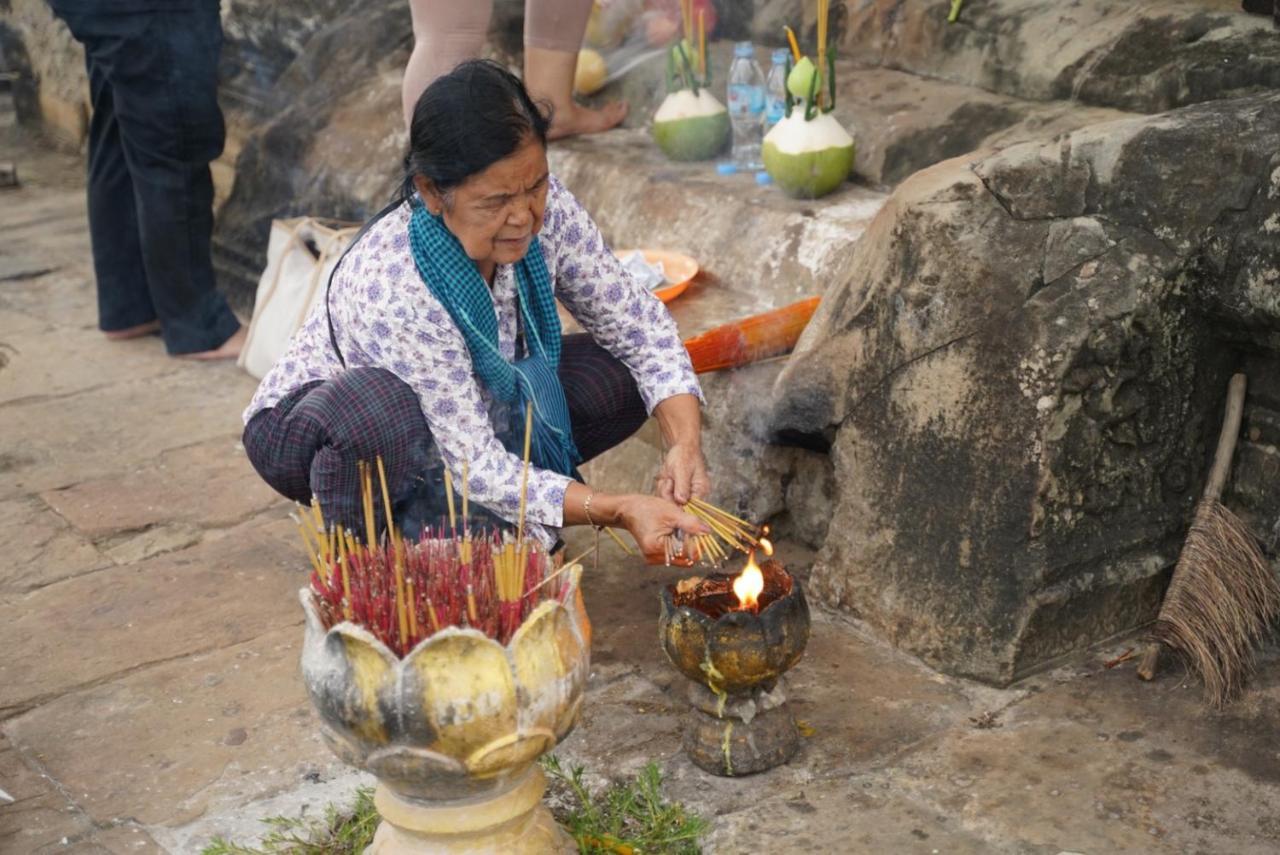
{"points": [[746, 49], [779, 56], [762, 178], [727, 167]]}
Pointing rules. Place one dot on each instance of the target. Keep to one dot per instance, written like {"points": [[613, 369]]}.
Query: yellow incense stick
{"points": [[702, 42], [795, 48], [413, 608], [618, 540], [448, 495], [466, 512], [524, 478], [823, 9], [366, 495], [707, 506], [311, 553], [346, 575], [386, 500]]}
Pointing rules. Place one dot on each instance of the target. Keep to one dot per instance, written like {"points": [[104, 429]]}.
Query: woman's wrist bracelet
{"points": [[586, 509]]}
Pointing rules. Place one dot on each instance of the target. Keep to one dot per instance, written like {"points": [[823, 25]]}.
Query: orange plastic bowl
{"points": [[680, 270]]}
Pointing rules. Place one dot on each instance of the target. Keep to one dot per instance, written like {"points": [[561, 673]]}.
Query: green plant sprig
{"points": [[630, 817], [341, 832]]}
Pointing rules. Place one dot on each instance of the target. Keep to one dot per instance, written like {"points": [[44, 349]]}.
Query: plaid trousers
{"points": [[310, 442]]}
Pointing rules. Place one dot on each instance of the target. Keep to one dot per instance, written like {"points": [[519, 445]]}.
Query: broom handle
{"points": [[1226, 440], [1212, 489]]}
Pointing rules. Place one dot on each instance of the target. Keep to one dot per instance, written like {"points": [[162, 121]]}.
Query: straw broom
{"points": [[1223, 596]]}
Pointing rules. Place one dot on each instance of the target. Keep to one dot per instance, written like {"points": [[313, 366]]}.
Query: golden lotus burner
{"points": [[735, 637], [453, 731]]}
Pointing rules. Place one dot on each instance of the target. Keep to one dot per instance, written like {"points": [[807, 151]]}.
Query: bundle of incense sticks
{"points": [[728, 532], [405, 591]]}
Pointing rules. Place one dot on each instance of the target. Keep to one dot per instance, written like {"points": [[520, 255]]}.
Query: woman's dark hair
{"points": [[468, 120]]}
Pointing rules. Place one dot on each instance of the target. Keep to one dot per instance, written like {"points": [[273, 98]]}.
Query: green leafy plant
{"points": [[629, 818], [342, 831]]}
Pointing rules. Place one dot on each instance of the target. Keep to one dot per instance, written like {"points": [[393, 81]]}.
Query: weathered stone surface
{"points": [[208, 485], [40, 548], [1130, 767], [91, 438], [94, 627], [1146, 56], [1015, 455], [52, 84], [40, 816], [33, 369], [207, 732]]}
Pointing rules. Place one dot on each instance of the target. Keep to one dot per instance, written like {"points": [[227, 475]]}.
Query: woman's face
{"points": [[496, 213]]}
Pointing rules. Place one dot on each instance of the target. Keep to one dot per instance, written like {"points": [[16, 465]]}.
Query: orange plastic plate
{"points": [[680, 270]]}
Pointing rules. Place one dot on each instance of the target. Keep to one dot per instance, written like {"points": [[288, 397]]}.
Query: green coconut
{"points": [[691, 127], [808, 159]]}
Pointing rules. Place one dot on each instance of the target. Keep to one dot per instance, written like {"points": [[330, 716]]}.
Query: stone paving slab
{"points": [[38, 369], [64, 298], [1098, 761], [124, 425], [207, 485], [96, 627], [121, 840], [40, 547], [209, 731], [40, 815]]}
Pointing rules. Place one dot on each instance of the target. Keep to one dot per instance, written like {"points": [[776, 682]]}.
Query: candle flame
{"points": [[748, 585]]}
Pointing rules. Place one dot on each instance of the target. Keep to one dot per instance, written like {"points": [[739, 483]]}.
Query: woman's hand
{"points": [[683, 475], [684, 470], [652, 521]]}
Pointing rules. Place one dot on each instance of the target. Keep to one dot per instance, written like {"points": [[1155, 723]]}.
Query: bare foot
{"points": [[149, 328], [229, 349], [583, 120]]}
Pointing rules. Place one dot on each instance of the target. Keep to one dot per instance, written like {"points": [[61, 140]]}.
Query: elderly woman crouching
{"points": [[440, 328]]}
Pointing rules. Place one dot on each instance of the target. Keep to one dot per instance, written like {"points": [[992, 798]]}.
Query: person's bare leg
{"points": [[445, 33], [149, 328], [229, 349], [553, 32]]}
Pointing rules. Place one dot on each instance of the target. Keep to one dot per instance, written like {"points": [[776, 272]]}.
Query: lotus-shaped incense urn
{"points": [[736, 654], [454, 729]]}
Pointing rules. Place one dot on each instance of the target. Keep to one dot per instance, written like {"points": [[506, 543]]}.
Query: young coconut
{"points": [[808, 158], [690, 124], [809, 153]]}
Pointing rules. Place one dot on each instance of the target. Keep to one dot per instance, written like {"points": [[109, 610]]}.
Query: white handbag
{"points": [[301, 255]]}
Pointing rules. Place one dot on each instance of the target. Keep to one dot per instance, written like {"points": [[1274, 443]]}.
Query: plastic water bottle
{"points": [[746, 106], [775, 89]]}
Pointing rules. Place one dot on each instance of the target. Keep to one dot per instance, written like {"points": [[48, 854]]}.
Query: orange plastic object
{"points": [[750, 339], [680, 270]]}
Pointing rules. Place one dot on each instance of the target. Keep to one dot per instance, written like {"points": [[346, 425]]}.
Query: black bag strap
{"points": [[328, 315]]}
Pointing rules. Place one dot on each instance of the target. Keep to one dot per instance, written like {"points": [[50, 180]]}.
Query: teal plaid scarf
{"points": [[451, 276]]}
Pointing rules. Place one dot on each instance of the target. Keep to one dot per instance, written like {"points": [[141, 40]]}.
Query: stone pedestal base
{"points": [[741, 736], [514, 820]]}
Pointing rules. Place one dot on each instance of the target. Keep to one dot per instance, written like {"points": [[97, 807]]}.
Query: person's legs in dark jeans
{"points": [[605, 406], [124, 301], [157, 73]]}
